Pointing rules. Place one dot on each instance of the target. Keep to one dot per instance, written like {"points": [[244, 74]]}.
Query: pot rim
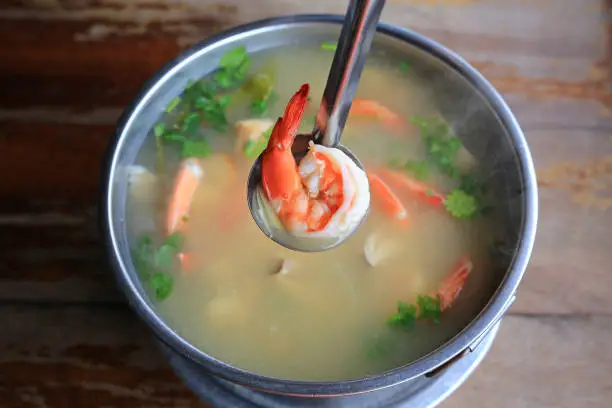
{"points": [[470, 334]]}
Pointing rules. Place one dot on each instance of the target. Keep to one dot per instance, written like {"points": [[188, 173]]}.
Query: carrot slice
{"points": [[388, 201]]}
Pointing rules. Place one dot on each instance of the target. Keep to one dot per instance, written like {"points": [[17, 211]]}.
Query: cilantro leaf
{"points": [[442, 147], [429, 308], [175, 240], [199, 148], [405, 316], [234, 65], [164, 257], [460, 204], [234, 58], [403, 66], [162, 285], [191, 124]]}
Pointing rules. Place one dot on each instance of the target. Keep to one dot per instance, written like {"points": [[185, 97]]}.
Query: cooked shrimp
{"points": [[372, 108], [187, 181], [453, 282], [387, 200], [218, 168], [422, 191], [327, 195]]}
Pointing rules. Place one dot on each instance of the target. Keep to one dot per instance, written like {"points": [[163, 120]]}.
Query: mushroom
{"points": [[376, 250]]}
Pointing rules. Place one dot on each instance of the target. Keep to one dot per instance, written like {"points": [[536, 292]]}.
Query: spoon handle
{"points": [[353, 46]]}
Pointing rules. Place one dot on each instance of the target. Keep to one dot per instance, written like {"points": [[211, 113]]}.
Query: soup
{"points": [[408, 280]]}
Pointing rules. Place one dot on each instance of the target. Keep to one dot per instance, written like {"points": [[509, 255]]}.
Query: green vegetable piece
{"points": [[191, 124], [233, 67], [175, 240], [234, 58], [174, 136], [159, 130], [173, 104], [429, 308], [253, 148], [405, 316], [419, 169], [165, 255], [442, 148], [460, 204], [143, 256], [329, 46], [161, 284], [196, 148], [403, 66]]}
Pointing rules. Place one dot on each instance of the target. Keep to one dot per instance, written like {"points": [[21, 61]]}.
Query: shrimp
{"points": [[387, 200], [453, 282], [422, 191], [372, 108], [220, 172], [327, 195]]}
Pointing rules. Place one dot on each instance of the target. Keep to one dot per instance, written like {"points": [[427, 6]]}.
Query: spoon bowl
{"points": [[278, 234]]}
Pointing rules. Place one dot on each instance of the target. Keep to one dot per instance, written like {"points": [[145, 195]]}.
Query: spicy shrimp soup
{"points": [[408, 280]]}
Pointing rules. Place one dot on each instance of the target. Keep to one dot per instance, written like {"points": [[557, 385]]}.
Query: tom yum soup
{"points": [[408, 280]]}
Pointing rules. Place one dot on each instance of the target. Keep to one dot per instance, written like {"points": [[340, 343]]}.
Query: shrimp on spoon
{"points": [[326, 196]]}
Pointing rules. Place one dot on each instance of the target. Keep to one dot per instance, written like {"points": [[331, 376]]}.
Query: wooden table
{"points": [[68, 67]]}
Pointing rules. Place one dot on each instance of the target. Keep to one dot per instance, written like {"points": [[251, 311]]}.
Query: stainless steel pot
{"points": [[479, 116]]}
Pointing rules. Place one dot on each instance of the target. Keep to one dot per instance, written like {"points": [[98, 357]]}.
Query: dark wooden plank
{"points": [[48, 360]]}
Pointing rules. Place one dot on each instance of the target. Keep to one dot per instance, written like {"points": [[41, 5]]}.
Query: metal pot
{"points": [[479, 116]]}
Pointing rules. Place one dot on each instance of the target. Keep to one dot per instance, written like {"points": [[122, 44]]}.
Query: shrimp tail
{"points": [[453, 283], [279, 173], [286, 128]]}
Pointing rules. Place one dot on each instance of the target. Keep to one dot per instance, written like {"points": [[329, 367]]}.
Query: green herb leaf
{"points": [[165, 255], [191, 124], [442, 147], [259, 86], [197, 148], [460, 204], [234, 58], [405, 316], [174, 137], [429, 308], [143, 255], [173, 104], [214, 112], [419, 169], [329, 46], [161, 284], [253, 148], [159, 129], [175, 240], [403, 66]]}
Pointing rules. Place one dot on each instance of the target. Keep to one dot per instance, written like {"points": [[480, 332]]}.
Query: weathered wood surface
{"points": [[67, 69]]}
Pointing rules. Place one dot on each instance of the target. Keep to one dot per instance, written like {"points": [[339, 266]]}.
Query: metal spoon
{"points": [[349, 59]]}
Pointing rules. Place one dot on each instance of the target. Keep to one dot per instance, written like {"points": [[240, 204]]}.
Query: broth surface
{"points": [[326, 317]]}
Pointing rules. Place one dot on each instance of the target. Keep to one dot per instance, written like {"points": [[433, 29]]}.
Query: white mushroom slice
{"points": [[251, 130], [377, 250]]}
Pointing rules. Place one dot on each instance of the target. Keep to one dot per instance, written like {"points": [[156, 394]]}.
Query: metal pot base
{"points": [[429, 393]]}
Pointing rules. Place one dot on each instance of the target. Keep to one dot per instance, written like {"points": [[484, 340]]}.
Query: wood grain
{"points": [[68, 69]]}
